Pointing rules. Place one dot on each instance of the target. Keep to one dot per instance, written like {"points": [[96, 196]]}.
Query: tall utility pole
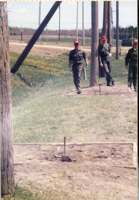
{"points": [[109, 26], [94, 43], [77, 23], [39, 16], [104, 31], [105, 17], [117, 30], [109, 22], [112, 23], [83, 43], [6, 127], [59, 23]]}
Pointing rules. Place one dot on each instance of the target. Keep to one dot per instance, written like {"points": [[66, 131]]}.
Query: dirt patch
{"points": [[106, 170], [41, 49], [102, 89]]}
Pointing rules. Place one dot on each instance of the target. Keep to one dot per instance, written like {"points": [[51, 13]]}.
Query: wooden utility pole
{"points": [[117, 30], [6, 128], [112, 23], [35, 37], [109, 22], [94, 43], [59, 23], [104, 32], [105, 18], [83, 43], [109, 40], [77, 23], [39, 16]]}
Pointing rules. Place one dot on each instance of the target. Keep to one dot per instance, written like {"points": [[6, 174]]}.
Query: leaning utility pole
{"points": [[39, 16], [6, 127], [35, 37], [94, 43], [117, 30], [77, 23], [83, 23]]}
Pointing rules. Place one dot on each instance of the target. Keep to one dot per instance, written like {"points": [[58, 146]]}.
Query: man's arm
{"points": [[70, 66], [127, 60], [99, 57], [110, 50], [86, 61], [70, 69]]}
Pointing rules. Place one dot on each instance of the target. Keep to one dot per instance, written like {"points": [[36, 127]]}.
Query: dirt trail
{"points": [[51, 48]]}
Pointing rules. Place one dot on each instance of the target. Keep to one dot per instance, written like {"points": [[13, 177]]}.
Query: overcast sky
{"points": [[26, 14]]}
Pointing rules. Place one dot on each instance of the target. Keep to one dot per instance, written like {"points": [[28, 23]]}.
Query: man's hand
{"points": [[70, 69], [110, 55], [101, 64], [86, 61], [126, 66]]}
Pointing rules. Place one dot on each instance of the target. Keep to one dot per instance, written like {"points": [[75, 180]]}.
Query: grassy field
{"points": [[50, 194], [23, 193], [42, 112]]}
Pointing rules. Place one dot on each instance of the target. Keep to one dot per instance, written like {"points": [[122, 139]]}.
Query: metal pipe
{"points": [[35, 37]]}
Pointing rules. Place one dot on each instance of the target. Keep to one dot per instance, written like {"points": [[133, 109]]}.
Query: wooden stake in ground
{"points": [[6, 130], [94, 44]]}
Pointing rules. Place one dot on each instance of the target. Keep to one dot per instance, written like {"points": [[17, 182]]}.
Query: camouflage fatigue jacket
{"points": [[103, 51], [77, 56], [131, 57]]}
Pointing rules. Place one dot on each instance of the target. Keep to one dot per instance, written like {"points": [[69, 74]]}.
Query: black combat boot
{"points": [[79, 91], [113, 82]]}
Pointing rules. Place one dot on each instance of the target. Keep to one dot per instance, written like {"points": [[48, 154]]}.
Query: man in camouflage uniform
{"points": [[104, 57], [76, 57], [131, 58]]}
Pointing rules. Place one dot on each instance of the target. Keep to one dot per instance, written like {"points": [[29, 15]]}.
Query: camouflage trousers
{"points": [[107, 70], [132, 76], [77, 75]]}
